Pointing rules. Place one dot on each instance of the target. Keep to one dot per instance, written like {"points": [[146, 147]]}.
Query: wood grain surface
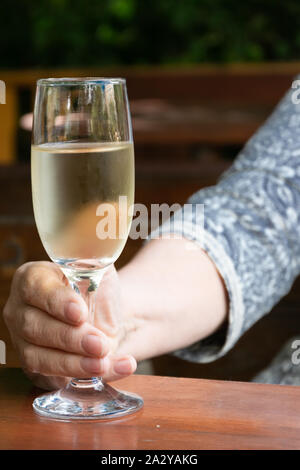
{"points": [[178, 414]]}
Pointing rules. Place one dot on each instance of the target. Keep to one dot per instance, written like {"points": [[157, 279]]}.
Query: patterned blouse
{"points": [[252, 231]]}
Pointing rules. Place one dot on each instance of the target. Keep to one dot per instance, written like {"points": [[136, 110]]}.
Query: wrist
{"points": [[173, 296]]}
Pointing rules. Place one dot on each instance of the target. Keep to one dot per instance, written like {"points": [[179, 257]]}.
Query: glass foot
{"points": [[87, 399]]}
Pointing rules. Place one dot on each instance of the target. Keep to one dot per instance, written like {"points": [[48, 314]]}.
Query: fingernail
{"points": [[94, 366], [73, 312], [123, 367], [92, 344]]}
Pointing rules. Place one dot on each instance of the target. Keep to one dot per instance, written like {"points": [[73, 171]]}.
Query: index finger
{"points": [[43, 285]]}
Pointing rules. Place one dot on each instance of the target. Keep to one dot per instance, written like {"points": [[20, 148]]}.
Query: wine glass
{"points": [[82, 173]]}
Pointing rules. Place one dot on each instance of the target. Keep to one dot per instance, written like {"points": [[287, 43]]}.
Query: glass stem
{"points": [[86, 285]]}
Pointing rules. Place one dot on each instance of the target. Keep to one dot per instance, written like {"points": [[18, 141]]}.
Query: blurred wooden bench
{"points": [[201, 105]]}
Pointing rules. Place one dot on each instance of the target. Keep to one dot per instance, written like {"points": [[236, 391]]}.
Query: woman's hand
{"points": [[48, 325], [168, 297]]}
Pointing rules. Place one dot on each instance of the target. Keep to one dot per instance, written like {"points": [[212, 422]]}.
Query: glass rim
{"points": [[79, 81]]}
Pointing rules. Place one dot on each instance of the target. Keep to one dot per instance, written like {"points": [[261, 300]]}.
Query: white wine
{"points": [[70, 184]]}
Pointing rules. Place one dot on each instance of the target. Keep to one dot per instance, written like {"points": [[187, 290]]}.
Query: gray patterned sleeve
{"points": [[252, 227]]}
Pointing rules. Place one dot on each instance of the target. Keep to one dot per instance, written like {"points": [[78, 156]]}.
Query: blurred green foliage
{"points": [[106, 32]]}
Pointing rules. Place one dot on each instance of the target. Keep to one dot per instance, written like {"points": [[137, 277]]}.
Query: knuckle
{"points": [[45, 365], [67, 338], [6, 313], [64, 365], [20, 271], [28, 357], [52, 297], [28, 329], [27, 282]]}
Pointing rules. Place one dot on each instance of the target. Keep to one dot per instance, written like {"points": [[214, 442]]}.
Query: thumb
{"points": [[118, 367]]}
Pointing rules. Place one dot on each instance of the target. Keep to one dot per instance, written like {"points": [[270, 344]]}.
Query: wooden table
{"points": [[178, 414]]}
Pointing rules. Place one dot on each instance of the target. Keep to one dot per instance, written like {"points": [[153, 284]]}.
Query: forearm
{"points": [[251, 236], [174, 295]]}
